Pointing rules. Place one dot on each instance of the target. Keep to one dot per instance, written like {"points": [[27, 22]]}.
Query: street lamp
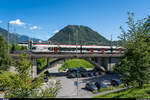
{"points": [[77, 83], [15, 36], [76, 55]]}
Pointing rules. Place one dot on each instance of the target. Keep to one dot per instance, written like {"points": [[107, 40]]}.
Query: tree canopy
{"points": [[22, 85], [5, 60], [135, 65]]}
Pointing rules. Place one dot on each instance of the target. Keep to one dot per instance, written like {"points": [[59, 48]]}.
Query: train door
{"points": [[91, 50], [55, 49], [102, 50], [120, 50]]}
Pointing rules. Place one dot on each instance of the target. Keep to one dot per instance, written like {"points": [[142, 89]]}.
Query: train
{"points": [[47, 48]]}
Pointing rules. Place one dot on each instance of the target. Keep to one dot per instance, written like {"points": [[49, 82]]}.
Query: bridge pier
{"points": [[47, 61], [112, 62], [107, 62], [34, 68]]}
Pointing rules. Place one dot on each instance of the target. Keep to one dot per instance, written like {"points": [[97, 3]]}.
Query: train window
{"points": [[67, 49], [33, 48], [49, 48]]}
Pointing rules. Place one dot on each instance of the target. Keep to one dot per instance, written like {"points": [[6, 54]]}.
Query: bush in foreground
{"points": [[129, 93]]}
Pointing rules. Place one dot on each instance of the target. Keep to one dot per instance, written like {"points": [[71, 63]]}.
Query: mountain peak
{"points": [[80, 33], [15, 38]]}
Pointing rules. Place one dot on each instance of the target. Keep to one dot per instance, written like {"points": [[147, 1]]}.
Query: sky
{"points": [[43, 18]]}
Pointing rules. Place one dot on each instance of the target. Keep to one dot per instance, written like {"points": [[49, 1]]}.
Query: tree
{"points": [[5, 59], [135, 65], [41, 62], [50, 91], [15, 47], [21, 84]]}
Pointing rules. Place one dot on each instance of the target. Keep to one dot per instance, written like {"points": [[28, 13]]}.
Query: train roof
{"points": [[84, 46]]}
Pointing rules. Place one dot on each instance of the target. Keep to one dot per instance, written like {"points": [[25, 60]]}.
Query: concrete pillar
{"points": [[64, 60], [99, 61], [47, 61], [106, 63], [34, 68], [113, 62]]}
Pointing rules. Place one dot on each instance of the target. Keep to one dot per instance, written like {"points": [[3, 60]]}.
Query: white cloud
{"points": [[17, 22], [56, 31], [0, 21], [34, 27]]}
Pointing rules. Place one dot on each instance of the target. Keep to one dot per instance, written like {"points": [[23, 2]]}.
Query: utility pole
{"points": [[15, 35], [111, 53], [76, 54], [76, 40], [8, 37], [69, 39], [111, 43]]}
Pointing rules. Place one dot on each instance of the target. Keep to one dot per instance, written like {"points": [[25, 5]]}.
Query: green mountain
{"points": [[15, 38], [80, 34]]}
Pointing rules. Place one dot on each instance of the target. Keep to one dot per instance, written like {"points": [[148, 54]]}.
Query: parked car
{"points": [[101, 84], [91, 87], [115, 82], [71, 75], [96, 73], [90, 74], [98, 84], [81, 69], [70, 70], [107, 82], [46, 78], [84, 74], [78, 74]]}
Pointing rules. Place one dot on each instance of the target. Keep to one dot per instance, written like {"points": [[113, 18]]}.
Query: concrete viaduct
{"points": [[103, 62]]}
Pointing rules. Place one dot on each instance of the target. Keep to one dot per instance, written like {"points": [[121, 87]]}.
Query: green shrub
{"points": [[129, 93], [73, 63], [41, 62]]}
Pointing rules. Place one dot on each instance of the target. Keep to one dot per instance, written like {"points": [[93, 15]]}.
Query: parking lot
{"points": [[68, 86]]}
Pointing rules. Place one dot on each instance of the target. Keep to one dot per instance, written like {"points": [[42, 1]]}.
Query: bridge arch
{"points": [[49, 65]]}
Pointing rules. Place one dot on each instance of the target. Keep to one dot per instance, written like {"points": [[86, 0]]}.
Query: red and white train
{"points": [[47, 48]]}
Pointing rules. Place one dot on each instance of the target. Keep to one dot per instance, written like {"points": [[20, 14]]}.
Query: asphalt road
{"points": [[69, 89]]}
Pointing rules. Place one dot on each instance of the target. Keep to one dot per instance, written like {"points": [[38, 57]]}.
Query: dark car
{"points": [[100, 84], [115, 82], [84, 74], [70, 70], [96, 73], [46, 78], [71, 75], [91, 87], [77, 72], [81, 69], [90, 74], [78, 75]]}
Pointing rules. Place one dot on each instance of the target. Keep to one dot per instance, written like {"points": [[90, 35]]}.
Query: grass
{"points": [[129, 93], [42, 62], [109, 88], [73, 63]]}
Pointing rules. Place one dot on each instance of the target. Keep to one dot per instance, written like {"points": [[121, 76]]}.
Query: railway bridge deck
{"points": [[101, 61]]}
